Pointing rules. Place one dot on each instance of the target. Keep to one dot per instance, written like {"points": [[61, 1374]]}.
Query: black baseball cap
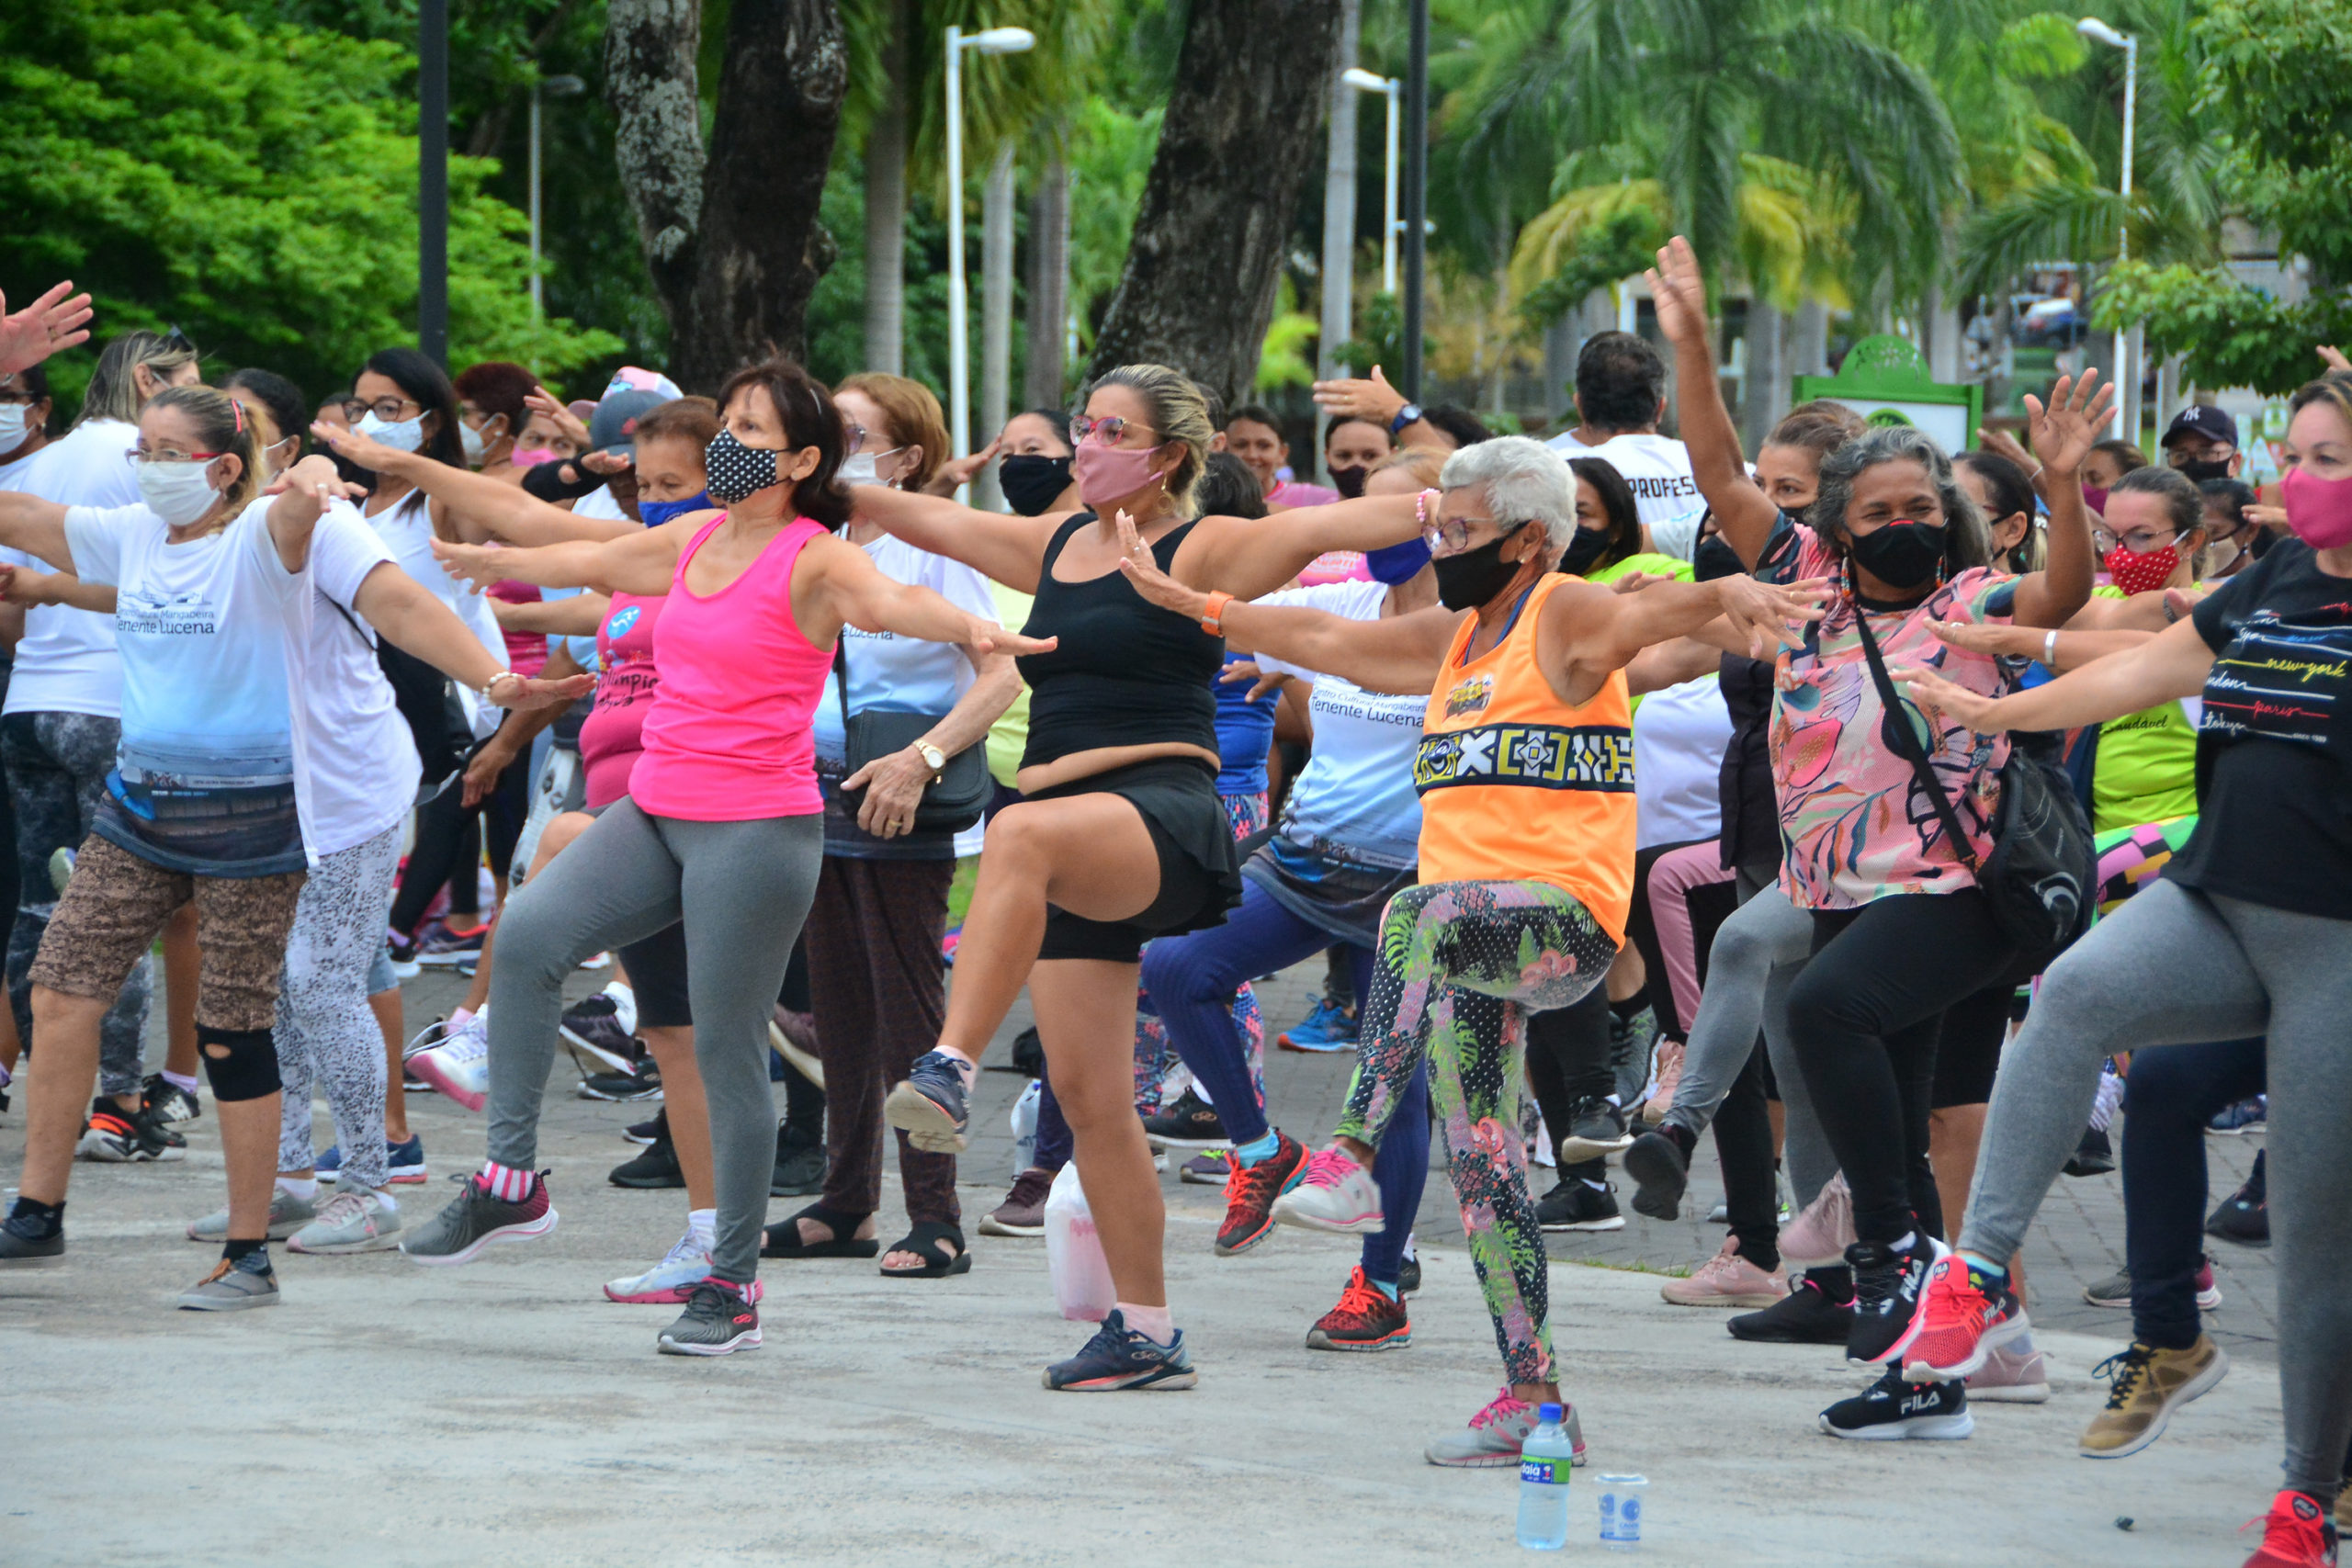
{"points": [[2205, 420]]}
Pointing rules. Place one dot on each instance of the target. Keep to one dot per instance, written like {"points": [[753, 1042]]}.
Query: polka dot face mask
{"points": [[735, 471]]}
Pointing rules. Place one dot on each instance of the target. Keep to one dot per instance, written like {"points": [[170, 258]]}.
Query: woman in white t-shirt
{"points": [[228, 779], [877, 977]]}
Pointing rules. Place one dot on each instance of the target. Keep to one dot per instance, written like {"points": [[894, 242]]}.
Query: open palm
{"points": [[2065, 428], [1680, 292]]}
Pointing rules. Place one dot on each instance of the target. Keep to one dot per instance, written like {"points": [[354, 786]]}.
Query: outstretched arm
{"points": [[2061, 650], [1004, 548], [577, 615], [1745, 513], [2063, 430], [405, 612], [1251, 556], [34, 526], [848, 588], [22, 586], [303, 492], [1595, 631], [492, 505], [642, 561], [2170, 665]]}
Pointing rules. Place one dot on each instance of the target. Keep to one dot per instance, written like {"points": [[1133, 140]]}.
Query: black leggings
{"points": [[449, 845], [1567, 1060], [1866, 1014]]}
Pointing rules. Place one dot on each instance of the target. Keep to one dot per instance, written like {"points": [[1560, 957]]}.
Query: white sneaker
{"points": [[454, 1061], [670, 1281], [1334, 1193], [352, 1221], [287, 1214], [2012, 1374]]}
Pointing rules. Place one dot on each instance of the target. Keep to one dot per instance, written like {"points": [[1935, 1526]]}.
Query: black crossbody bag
{"points": [[949, 806], [2041, 876]]}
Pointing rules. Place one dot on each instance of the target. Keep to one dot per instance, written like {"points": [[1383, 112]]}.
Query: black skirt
{"points": [[1200, 874]]}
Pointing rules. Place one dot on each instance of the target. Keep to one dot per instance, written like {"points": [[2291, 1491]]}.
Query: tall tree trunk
{"points": [[1809, 344], [1043, 385], [731, 240], [996, 198], [1251, 82], [886, 204], [1765, 397]]}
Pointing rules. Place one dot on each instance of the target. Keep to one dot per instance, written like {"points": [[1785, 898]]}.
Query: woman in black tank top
{"points": [[1121, 836]]}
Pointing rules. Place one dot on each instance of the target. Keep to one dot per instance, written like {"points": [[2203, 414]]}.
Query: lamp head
{"points": [[2092, 28], [1356, 76], [561, 86], [1002, 40]]}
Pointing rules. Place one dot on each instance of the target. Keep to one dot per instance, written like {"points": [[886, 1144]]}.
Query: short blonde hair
{"points": [[1180, 415]]}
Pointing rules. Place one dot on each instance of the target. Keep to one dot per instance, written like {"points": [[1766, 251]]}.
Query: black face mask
{"points": [[2201, 470], [1032, 481], [1904, 555], [1349, 482], [734, 471], [1467, 581], [1584, 551], [1714, 557]]}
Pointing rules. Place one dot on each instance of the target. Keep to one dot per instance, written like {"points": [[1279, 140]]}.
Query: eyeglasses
{"points": [[853, 437], [1453, 536], [2140, 541], [389, 409], [165, 455], [1110, 427], [22, 399]]}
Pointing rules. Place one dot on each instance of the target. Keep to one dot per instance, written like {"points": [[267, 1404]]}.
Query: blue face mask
{"points": [[655, 513], [1394, 564]]}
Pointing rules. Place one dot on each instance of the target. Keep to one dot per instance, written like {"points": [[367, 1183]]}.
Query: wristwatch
{"points": [[932, 758], [1409, 414]]}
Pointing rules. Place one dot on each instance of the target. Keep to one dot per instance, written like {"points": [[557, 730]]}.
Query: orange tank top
{"points": [[1517, 785]]}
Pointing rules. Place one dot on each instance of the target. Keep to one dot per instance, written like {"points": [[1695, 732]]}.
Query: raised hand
{"points": [[606, 463], [366, 451], [1135, 560], [1765, 610], [2332, 357], [1679, 291], [476, 564], [2068, 426], [538, 399], [1933, 692], [40, 328], [2001, 443], [958, 471], [1359, 398]]}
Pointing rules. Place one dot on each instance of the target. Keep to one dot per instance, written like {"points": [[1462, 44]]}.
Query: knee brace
{"points": [[242, 1062]]}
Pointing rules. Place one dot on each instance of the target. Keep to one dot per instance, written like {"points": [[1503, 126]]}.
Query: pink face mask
{"points": [[2093, 497], [2319, 511], [532, 457], [1106, 473]]}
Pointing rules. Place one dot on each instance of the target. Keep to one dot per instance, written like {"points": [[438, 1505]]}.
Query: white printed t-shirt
{"points": [[1657, 467]]}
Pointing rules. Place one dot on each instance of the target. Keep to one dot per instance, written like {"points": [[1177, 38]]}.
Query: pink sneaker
{"points": [[1334, 1193], [1669, 1078], [1495, 1435], [456, 1061], [1727, 1279], [1823, 1233], [2012, 1374]]}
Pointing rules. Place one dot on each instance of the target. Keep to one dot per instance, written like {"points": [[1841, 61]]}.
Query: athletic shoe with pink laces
{"points": [[1668, 1065], [1334, 1193], [2297, 1533], [1965, 1314], [1727, 1279], [456, 1061], [1494, 1436], [1822, 1234]]}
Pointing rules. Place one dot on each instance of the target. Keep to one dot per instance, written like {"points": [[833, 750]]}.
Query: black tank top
{"points": [[1126, 673]]}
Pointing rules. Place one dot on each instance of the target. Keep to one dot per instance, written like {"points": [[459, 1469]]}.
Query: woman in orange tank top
{"points": [[1526, 776]]}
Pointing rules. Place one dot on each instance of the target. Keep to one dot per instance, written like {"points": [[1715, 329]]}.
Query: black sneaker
{"points": [[932, 1106], [1121, 1358], [592, 1031], [1633, 1042], [644, 1131], [1191, 1123], [2093, 1156], [1595, 1128], [1659, 1164], [1575, 1206], [656, 1167], [720, 1320], [475, 1218], [168, 1102], [1886, 1294], [799, 1163], [1891, 1410], [112, 1137], [1818, 1310], [641, 1082], [1408, 1276], [25, 1243], [2244, 1218]]}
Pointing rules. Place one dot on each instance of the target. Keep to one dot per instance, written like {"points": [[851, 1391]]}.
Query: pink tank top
{"points": [[726, 739], [614, 736]]}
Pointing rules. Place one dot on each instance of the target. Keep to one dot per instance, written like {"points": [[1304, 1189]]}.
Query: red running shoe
{"points": [[1251, 1191], [1964, 1315], [1365, 1319], [2297, 1533]]}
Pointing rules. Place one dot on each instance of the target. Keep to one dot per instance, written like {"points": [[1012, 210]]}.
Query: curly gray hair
{"points": [[1526, 482], [1967, 544]]}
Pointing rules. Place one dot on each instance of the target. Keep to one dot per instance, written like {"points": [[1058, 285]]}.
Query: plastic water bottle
{"points": [[1545, 1460]]}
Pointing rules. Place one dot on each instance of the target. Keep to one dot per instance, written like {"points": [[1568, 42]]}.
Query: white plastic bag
{"points": [[1074, 1252], [1024, 1128]]}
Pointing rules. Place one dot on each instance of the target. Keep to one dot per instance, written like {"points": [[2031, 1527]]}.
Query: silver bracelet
{"points": [[2050, 650]]}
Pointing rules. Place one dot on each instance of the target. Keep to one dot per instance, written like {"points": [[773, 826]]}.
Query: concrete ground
{"points": [[504, 1413]]}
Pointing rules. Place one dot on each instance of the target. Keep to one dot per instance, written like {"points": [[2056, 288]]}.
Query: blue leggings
{"points": [[1191, 980]]}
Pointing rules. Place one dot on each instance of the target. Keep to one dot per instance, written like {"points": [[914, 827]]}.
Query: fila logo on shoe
{"points": [[1921, 1402]]}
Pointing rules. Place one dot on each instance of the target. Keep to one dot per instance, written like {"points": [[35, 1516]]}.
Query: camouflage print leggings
{"points": [[1459, 966]]}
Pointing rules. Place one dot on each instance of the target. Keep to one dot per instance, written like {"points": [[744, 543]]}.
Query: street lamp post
{"points": [[433, 179], [2128, 351], [1415, 191], [549, 87], [995, 40], [1393, 90]]}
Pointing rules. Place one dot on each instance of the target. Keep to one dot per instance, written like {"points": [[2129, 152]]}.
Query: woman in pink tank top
{"points": [[723, 827]]}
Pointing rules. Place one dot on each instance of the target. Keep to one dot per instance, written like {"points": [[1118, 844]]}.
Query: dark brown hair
{"points": [[681, 419], [499, 385], [809, 420]]}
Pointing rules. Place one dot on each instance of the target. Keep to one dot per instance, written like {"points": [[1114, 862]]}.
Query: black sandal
{"points": [[924, 1242], [784, 1240]]}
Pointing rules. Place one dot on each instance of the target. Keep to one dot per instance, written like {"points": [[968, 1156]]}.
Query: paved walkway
{"points": [[392, 1414]]}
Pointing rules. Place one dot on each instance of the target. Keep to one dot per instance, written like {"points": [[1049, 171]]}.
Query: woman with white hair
{"points": [[1525, 770]]}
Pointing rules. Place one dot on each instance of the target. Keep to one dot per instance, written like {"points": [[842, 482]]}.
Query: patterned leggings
{"points": [[324, 1026], [1459, 966], [1162, 1076]]}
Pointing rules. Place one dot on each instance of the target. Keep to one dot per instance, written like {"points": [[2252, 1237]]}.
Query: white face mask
{"points": [[401, 435], [470, 439], [179, 493], [13, 425], [858, 467]]}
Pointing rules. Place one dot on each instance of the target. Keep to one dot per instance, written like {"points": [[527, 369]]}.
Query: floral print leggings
{"points": [[1459, 966]]}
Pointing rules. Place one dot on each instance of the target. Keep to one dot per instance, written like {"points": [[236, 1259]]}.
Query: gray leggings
{"points": [[324, 1026], [2174, 967], [1756, 958], [742, 889]]}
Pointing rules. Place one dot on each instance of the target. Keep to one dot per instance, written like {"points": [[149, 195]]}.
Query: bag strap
{"points": [[1908, 746], [840, 672]]}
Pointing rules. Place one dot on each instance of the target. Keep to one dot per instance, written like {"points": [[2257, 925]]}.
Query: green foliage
{"points": [[1614, 248], [2234, 335], [2277, 83], [1282, 358], [254, 184], [1110, 158], [837, 309], [1380, 337]]}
